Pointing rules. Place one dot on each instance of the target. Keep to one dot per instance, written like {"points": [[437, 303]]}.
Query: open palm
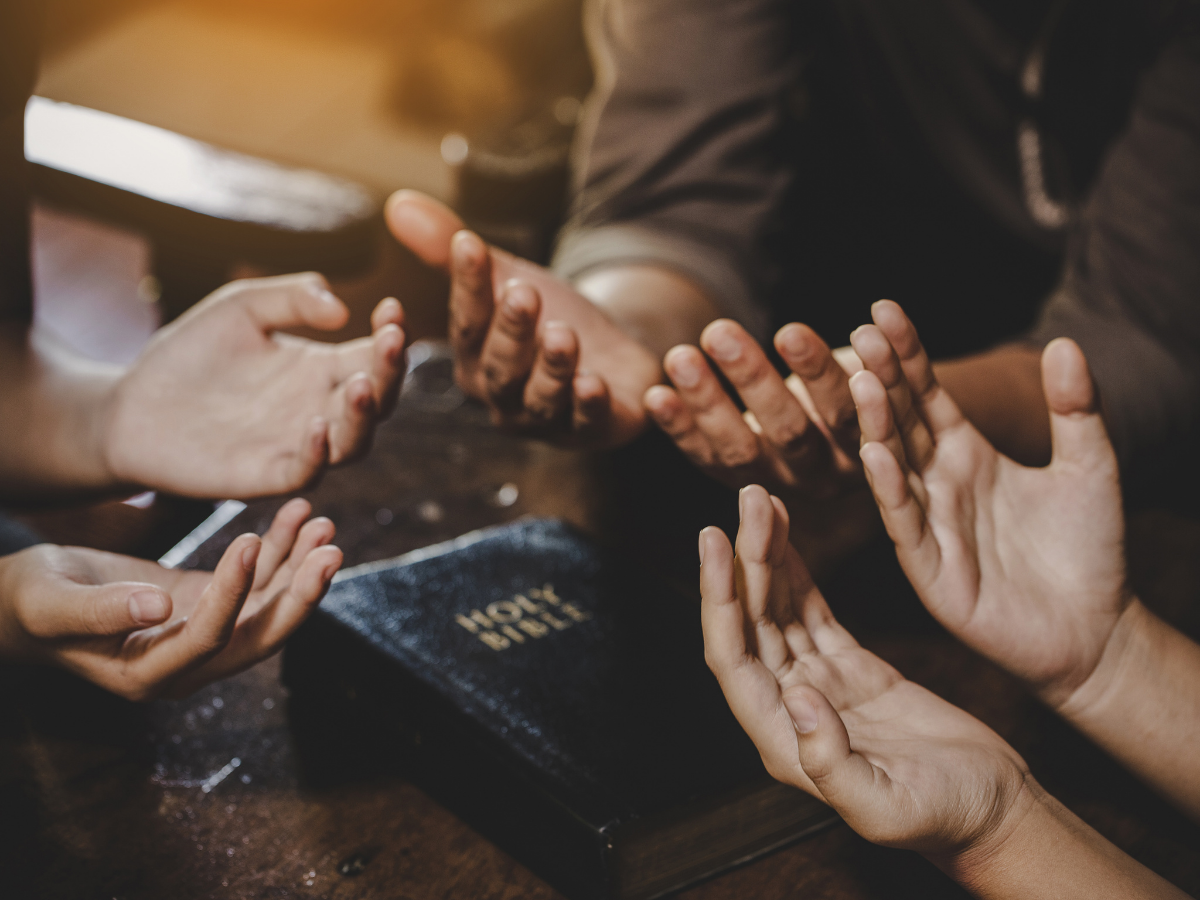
{"points": [[902, 766], [143, 631], [1026, 565], [222, 405]]}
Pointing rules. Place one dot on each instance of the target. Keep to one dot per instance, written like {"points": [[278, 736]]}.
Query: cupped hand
{"points": [[220, 404], [1025, 565], [798, 436], [903, 767], [544, 359], [142, 631]]}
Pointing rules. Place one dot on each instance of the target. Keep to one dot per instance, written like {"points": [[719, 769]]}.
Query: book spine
{"points": [[341, 689]]}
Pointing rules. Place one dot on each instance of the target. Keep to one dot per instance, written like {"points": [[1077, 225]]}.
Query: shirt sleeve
{"points": [[1130, 295], [682, 158], [18, 43]]}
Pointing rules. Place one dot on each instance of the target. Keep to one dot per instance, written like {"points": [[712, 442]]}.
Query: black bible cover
{"points": [[556, 699]]}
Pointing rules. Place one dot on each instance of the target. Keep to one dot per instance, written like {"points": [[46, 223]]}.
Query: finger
{"points": [[875, 419], [1077, 431], [877, 355], [762, 580], [593, 407], [72, 610], [721, 614], [471, 296], [309, 461], [387, 311], [387, 367], [672, 416], [289, 301], [350, 431], [315, 533], [783, 604], [937, 407], [734, 444], [903, 515], [782, 419], [202, 635], [262, 635], [825, 380], [510, 347], [815, 626], [277, 542], [550, 389], [845, 780], [423, 225]]}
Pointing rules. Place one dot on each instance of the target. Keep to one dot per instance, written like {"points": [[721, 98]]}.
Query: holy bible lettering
{"points": [[508, 622]]}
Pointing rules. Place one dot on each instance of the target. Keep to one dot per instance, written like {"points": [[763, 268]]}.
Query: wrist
{"points": [[976, 864], [1043, 850], [655, 306], [105, 434], [1127, 643]]}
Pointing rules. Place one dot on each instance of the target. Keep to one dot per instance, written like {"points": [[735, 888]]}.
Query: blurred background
{"points": [[472, 101]]}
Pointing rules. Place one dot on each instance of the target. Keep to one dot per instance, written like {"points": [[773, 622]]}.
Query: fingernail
{"points": [[702, 548], [147, 607], [724, 346], [685, 372], [327, 296], [804, 714], [793, 342], [250, 556], [742, 503]]}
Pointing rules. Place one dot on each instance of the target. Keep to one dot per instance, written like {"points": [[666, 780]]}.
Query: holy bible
{"points": [[555, 697]]}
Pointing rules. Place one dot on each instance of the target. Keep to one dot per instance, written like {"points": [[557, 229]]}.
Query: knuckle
{"points": [[738, 455], [753, 372], [790, 436]]}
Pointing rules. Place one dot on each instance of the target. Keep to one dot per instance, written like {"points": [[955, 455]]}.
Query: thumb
{"points": [[71, 610], [423, 225], [1077, 431], [288, 301], [844, 778]]}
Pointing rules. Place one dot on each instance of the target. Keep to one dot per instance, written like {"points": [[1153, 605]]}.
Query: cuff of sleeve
{"points": [[1149, 394], [579, 252]]}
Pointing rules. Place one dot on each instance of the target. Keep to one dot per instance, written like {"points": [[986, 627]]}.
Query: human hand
{"points": [[903, 767], [1027, 566], [544, 359], [798, 437], [222, 405], [143, 631]]}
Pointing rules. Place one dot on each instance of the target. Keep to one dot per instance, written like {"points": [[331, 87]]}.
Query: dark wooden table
{"points": [[209, 797]]}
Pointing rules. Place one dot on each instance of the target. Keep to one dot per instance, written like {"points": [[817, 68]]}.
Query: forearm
{"points": [[1000, 391], [1142, 705], [654, 305], [1046, 851], [53, 405]]}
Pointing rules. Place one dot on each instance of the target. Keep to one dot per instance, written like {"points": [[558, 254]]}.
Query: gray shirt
{"points": [[1023, 149]]}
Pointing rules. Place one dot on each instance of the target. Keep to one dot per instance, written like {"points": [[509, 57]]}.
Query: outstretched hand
{"points": [[1025, 565], [143, 631], [903, 767], [546, 361], [220, 404], [798, 436]]}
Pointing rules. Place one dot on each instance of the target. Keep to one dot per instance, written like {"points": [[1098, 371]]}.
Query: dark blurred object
{"points": [[574, 722], [504, 79], [479, 66], [147, 526], [512, 187], [204, 209]]}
